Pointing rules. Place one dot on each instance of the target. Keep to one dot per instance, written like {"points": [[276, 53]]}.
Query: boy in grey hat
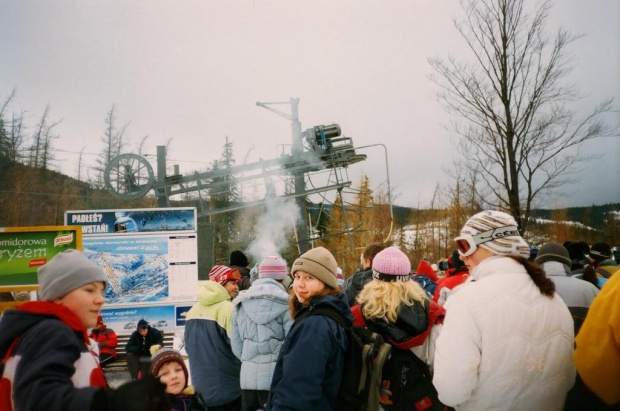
{"points": [[556, 262], [49, 361]]}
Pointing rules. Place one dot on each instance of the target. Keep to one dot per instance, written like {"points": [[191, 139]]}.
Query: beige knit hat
{"points": [[489, 220], [319, 263]]}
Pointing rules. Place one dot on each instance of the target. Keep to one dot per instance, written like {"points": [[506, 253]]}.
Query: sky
{"points": [[192, 72]]}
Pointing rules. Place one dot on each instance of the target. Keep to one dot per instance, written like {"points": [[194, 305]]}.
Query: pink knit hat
{"points": [[339, 276], [391, 264], [273, 267]]}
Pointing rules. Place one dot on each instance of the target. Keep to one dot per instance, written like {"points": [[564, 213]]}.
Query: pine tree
{"points": [[224, 193]]}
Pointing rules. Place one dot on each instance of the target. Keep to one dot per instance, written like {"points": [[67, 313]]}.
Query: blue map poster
{"points": [[153, 268]]}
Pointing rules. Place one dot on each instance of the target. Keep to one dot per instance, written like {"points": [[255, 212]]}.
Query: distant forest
{"points": [[36, 197]]}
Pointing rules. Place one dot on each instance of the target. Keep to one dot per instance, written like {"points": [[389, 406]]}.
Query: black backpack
{"points": [[407, 384], [364, 358]]}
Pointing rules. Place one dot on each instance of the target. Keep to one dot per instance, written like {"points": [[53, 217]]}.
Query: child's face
{"points": [[232, 287], [172, 375], [306, 286], [85, 302]]}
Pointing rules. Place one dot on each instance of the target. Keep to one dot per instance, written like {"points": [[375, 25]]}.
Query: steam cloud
{"points": [[273, 227]]}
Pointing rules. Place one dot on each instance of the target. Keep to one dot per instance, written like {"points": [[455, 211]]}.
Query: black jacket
{"points": [[141, 346], [354, 284]]}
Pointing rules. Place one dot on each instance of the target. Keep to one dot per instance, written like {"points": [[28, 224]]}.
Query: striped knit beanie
{"points": [[489, 220], [391, 264], [273, 267], [339, 276], [222, 274]]}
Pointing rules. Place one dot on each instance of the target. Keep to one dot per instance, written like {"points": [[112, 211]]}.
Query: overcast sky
{"points": [[192, 71]]}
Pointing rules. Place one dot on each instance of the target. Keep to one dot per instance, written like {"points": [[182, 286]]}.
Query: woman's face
{"points": [[85, 302], [476, 258], [306, 286], [172, 375]]}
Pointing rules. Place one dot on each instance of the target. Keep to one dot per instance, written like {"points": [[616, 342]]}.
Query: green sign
{"points": [[24, 249]]}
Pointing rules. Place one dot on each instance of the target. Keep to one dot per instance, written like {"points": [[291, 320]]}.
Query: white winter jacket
{"points": [[504, 346]]}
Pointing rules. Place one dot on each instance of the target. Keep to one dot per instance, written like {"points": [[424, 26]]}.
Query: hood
{"points": [[210, 292], [496, 265], [426, 269], [264, 301], [412, 326], [454, 271], [15, 323], [339, 303], [555, 268]]}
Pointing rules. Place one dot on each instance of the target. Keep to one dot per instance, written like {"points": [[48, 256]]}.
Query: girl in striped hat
{"points": [[507, 339]]}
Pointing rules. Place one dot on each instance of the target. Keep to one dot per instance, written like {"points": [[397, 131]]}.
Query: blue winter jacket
{"points": [[260, 322], [311, 361], [213, 366]]}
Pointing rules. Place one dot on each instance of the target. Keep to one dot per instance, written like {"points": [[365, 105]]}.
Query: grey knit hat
{"points": [[319, 263], [553, 252], [65, 272]]}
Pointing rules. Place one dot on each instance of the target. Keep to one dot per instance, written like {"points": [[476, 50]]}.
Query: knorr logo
{"points": [[63, 239]]}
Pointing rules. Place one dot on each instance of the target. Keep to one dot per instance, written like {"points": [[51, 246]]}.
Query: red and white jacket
{"points": [[48, 360]]}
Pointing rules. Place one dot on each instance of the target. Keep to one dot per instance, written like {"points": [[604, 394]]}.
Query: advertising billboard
{"points": [[24, 249]]}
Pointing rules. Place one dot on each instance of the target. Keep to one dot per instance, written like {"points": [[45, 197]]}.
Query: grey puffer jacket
{"points": [[574, 292], [260, 322]]}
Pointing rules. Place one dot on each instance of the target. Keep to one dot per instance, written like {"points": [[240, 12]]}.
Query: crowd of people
{"points": [[499, 324]]}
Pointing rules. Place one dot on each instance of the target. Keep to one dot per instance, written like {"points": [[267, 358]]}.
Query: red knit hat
{"points": [[222, 274]]}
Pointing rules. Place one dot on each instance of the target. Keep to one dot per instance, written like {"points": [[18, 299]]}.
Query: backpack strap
{"points": [[602, 272], [326, 311]]}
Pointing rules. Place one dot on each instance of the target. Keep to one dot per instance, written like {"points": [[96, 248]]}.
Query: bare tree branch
{"points": [[520, 138]]}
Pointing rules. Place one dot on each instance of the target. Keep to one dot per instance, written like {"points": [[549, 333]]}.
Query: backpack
{"points": [[407, 384], [364, 358], [426, 283]]}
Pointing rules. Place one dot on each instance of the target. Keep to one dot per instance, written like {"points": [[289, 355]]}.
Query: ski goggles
{"points": [[467, 244]]}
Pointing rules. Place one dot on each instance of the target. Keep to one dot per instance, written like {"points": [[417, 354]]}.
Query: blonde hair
{"points": [[381, 299]]}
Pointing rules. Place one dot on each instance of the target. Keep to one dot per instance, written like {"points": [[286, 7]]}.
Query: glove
{"points": [[148, 394]]}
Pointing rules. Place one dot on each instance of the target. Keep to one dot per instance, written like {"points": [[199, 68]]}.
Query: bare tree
{"points": [[80, 163], [16, 137], [4, 134], [141, 144], [41, 149], [517, 134], [113, 141], [7, 101]]}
